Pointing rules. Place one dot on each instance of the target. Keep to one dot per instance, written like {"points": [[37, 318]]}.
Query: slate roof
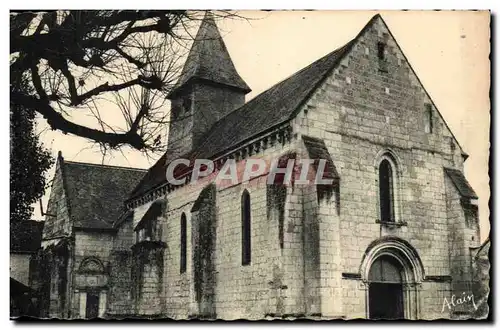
{"points": [[461, 183], [96, 192], [316, 148], [127, 215], [269, 109], [26, 236], [153, 178], [209, 60]]}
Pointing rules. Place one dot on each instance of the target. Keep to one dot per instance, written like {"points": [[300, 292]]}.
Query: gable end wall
{"points": [[360, 112]]}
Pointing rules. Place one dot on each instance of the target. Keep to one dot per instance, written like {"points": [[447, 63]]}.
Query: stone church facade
{"points": [[392, 236]]}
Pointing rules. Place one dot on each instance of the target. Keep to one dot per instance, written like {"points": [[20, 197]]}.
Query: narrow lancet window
{"points": [[183, 260], [246, 244], [386, 186]]}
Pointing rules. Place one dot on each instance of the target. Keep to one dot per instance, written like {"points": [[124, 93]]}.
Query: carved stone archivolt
{"points": [[91, 265], [401, 250]]}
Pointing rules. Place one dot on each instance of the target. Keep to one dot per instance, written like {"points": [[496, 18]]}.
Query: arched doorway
{"points": [[392, 271], [386, 288]]}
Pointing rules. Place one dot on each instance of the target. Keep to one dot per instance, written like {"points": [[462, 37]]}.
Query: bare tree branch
{"points": [[56, 120], [90, 58]]}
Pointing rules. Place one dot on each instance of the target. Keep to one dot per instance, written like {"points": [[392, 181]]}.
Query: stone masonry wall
{"points": [[149, 297], [93, 244], [200, 106], [312, 261], [180, 130], [330, 253], [57, 222], [462, 239], [360, 112], [241, 291]]}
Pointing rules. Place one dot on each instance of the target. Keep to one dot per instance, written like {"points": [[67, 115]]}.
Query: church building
{"points": [[392, 236]]}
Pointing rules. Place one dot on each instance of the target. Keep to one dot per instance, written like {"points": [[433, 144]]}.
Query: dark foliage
{"points": [[29, 161]]}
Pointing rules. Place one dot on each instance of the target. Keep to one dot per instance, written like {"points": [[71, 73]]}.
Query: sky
{"points": [[449, 51]]}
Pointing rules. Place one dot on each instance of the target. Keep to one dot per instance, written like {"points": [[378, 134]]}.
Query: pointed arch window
{"points": [[183, 257], [246, 244], [386, 191]]}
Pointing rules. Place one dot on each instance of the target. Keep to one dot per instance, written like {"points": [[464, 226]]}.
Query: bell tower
{"points": [[208, 89]]}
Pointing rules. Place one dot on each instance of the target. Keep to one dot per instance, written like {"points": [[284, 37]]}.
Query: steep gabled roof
{"points": [[265, 111], [209, 60], [96, 192], [26, 236], [269, 109]]}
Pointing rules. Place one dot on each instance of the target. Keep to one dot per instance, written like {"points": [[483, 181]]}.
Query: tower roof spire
{"points": [[209, 60]]}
